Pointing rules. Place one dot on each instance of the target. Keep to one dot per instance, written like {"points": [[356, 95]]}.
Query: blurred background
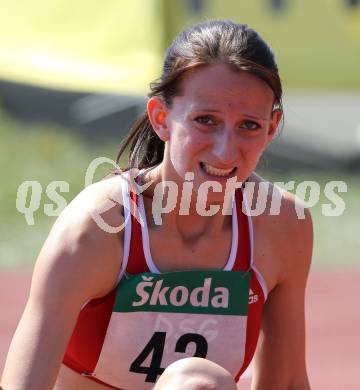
{"points": [[74, 76]]}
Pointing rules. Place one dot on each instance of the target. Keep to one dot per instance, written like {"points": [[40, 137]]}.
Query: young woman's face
{"points": [[219, 125]]}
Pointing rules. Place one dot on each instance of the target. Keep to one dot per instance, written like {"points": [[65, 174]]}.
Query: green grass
{"points": [[41, 153], [45, 153]]}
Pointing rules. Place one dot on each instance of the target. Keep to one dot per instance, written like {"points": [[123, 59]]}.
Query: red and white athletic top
{"points": [[150, 319]]}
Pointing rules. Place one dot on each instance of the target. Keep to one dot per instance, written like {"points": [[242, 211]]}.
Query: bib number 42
{"points": [[156, 346]]}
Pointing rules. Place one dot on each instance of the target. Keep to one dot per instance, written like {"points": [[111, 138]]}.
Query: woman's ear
{"points": [[274, 123], [157, 113]]}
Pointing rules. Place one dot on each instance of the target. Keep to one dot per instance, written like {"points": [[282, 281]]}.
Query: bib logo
{"points": [[253, 298], [156, 294]]}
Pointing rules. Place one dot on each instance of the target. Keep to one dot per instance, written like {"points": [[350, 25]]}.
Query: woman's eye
{"points": [[250, 125], [204, 120]]}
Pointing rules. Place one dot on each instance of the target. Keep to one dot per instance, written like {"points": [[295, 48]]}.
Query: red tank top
{"points": [[91, 348]]}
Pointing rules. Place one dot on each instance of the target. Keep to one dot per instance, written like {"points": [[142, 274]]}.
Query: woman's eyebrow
{"points": [[256, 117], [209, 109]]}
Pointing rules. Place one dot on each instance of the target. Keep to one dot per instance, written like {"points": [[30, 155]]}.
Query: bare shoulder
{"points": [[78, 261], [83, 251], [284, 232], [282, 209], [282, 252]]}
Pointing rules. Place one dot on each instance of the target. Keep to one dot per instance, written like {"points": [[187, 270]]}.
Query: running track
{"points": [[333, 325]]}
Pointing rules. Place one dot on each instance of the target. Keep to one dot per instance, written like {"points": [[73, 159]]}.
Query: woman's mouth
{"points": [[213, 171]]}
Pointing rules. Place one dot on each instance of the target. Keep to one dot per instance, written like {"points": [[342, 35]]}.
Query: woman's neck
{"points": [[166, 210]]}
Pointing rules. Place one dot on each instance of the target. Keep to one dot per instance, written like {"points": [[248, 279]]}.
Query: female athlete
{"points": [[161, 277]]}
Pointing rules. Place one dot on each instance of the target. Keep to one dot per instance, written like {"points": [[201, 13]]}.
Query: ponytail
{"points": [[145, 147]]}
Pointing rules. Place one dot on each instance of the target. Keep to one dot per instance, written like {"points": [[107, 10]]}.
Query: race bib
{"points": [[160, 318]]}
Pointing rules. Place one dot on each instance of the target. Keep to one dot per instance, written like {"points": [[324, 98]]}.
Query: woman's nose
{"points": [[225, 148]]}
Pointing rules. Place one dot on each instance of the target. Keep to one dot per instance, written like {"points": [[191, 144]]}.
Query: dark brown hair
{"points": [[201, 44]]}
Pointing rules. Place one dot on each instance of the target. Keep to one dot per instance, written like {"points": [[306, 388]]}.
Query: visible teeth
{"points": [[216, 171]]}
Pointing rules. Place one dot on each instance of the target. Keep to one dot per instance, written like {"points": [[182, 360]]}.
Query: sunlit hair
{"points": [[215, 41]]}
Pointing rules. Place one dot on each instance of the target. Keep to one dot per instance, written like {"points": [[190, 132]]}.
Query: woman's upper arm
{"points": [[78, 261], [280, 355]]}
